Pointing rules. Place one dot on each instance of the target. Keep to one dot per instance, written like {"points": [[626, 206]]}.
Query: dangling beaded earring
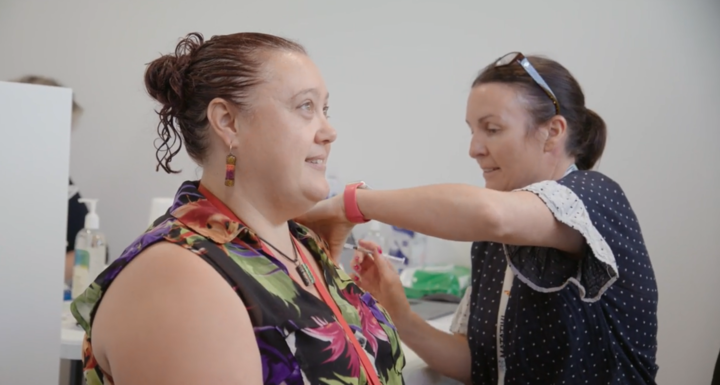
{"points": [[230, 169]]}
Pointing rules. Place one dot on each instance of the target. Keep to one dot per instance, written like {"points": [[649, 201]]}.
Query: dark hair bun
{"points": [[592, 141], [163, 81], [164, 77]]}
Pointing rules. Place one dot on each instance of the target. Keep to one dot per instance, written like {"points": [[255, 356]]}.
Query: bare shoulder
{"points": [[162, 316]]}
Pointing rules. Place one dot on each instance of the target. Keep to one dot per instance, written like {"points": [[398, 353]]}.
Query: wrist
{"points": [[360, 199], [350, 201]]}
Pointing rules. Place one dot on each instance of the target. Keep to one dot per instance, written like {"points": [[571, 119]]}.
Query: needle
{"points": [[391, 258]]}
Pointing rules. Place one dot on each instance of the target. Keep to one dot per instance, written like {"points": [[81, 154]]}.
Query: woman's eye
{"points": [[307, 106], [325, 111]]}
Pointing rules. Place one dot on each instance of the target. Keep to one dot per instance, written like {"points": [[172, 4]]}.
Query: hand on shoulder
{"points": [[328, 220]]}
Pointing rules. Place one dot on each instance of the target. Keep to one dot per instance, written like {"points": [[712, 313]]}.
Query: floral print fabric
{"points": [[299, 339]]}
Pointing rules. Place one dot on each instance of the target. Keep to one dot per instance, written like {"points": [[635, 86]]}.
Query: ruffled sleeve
{"points": [[548, 270], [459, 323]]}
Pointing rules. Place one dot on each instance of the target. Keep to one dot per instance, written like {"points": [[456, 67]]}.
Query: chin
{"points": [[317, 192]]}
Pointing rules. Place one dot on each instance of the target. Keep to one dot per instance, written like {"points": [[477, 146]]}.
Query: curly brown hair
{"points": [[226, 66]]}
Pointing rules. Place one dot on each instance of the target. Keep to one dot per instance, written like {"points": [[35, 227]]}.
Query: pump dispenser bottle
{"points": [[90, 251]]}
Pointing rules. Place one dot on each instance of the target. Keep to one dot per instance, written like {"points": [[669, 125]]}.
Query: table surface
{"points": [[416, 371]]}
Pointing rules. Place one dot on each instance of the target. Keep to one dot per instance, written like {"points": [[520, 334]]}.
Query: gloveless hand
{"points": [[327, 218], [376, 275]]}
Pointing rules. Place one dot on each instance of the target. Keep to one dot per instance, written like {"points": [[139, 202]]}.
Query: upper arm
{"points": [[170, 318], [574, 215], [525, 219]]}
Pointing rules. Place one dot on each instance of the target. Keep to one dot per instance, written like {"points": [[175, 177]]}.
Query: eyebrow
{"points": [[482, 119], [310, 91]]}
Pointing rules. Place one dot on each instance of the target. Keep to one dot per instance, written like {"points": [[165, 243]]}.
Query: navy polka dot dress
{"points": [[538, 317]]}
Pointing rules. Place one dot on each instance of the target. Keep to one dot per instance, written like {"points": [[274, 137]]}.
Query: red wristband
{"points": [[352, 211]]}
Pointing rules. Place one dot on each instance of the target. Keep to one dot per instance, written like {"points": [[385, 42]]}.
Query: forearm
{"points": [[451, 211], [445, 353]]}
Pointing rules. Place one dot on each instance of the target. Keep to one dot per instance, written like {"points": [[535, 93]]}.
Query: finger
{"points": [[366, 261], [359, 257], [356, 278], [381, 263], [357, 267], [373, 250], [366, 267], [359, 262], [369, 245], [364, 255]]}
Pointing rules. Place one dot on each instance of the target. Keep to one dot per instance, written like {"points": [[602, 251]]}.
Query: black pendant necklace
{"points": [[301, 267]]}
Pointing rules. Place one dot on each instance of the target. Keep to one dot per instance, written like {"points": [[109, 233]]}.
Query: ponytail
{"points": [[592, 138]]}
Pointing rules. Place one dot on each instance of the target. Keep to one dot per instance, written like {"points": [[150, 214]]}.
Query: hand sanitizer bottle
{"points": [[90, 251]]}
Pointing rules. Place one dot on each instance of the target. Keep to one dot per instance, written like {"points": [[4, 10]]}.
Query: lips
{"points": [[317, 162], [488, 170]]}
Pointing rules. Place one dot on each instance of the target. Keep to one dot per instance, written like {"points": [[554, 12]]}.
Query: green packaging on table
{"points": [[428, 280]]}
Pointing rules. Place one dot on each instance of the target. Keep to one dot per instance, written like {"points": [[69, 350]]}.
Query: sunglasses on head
{"points": [[517, 57]]}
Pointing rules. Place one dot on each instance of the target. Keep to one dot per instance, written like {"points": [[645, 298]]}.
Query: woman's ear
{"points": [[554, 132], [221, 116]]}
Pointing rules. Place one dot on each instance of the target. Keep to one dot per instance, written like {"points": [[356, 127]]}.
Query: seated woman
{"points": [[225, 289]]}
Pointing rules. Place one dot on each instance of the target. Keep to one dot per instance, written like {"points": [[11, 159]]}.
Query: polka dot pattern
{"points": [[560, 337]]}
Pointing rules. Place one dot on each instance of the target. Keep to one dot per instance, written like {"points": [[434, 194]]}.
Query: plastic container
{"points": [[90, 251], [431, 280]]}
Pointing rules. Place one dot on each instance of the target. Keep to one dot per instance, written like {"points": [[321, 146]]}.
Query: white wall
{"points": [[35, 123], [399, 73]]}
